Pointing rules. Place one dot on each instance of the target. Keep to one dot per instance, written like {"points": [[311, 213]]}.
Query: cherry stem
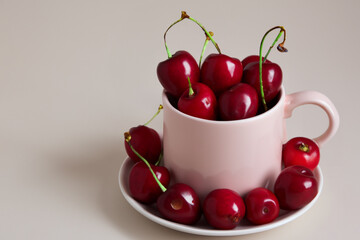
{"points": [[280, 47], [204, 47], [207, 33], [157, 113], [183, 16], [304, 147], [127, 139], [191, 91]]}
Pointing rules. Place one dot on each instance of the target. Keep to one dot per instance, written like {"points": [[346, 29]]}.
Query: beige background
{"points": [[74, 75]]}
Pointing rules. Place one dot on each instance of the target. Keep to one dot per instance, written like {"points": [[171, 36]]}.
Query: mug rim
{"points": [[254, 118]]}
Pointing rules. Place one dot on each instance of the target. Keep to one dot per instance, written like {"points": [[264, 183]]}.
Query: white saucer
{"points": [[202, 228]]}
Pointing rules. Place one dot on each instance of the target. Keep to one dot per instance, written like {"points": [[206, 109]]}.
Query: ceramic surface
{"points": [[239, 155], [202, 228]]}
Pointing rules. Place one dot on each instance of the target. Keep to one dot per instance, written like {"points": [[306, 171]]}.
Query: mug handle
{"points": [[312, 97]]}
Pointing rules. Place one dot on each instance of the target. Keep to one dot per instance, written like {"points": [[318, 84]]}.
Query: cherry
{"points": [[143, 179], [146, 141], [239, 102], [198, 101], [262, 206], [220, 72], [146, 181], [295, 187], [250, 59], [142, 185], [271, 78], [266, 77], [301, 151], [173, 72], [180, 203], [223, 208]]}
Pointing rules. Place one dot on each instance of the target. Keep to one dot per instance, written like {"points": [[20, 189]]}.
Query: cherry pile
{"points": [[221, 88]]}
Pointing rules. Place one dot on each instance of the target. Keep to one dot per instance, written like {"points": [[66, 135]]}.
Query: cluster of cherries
{"points": [[224, 88]]}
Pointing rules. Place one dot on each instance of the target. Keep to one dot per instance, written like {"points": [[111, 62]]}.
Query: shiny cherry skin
{"points": [[271, 77], [146, 141], [220, 72], [301, 151], [142, 185], [262, 206], [295, 187], [173, 73], [202, 103], [250, 59], [223, 208], [180, 204], [239, 102]]}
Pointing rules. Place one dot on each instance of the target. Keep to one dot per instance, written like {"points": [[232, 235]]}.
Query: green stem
{"points": [[304, 147], [191, 91], [147, 164], [280, 47], [260, 79], [272, 45], [204, 47], [203, 51], [157, 113], [207, 33], [183, 16]]}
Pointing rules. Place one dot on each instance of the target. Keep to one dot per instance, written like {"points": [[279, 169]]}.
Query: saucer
{"points": [[202, 228]]}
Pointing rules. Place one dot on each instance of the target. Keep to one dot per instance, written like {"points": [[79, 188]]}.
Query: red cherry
{"points": [[301, 151], [220, 72], [223, 209], [201, 103], [262, 206], [295, 187], [180, 204], [239, 102], [146, 141], [250, 59], [142, 184], [173, 73], [271, 77]]}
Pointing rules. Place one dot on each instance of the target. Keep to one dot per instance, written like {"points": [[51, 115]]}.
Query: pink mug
{"points": [[240, 155]]}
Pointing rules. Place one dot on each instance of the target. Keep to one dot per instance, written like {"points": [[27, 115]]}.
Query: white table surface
{"points": [[75, 75]]}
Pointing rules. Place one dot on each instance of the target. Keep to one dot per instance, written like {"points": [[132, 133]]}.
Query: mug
{"points": [[241, 154]]}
